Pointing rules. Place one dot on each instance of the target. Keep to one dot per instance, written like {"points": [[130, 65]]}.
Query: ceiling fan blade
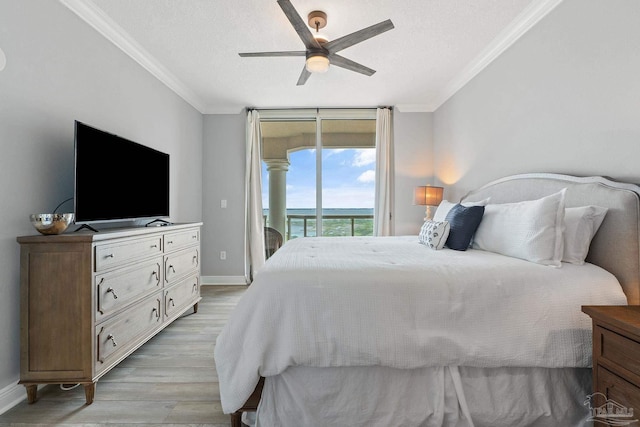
{"points": [[304, 76], [286, 53], [298, 24], [341, 61], [359, 36]]}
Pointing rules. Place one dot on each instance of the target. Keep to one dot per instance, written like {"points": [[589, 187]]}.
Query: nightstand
{"points": [[616, 353]]}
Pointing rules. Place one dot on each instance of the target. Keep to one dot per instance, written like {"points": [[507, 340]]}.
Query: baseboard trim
{"points": [[223, 280], [11, 395]]}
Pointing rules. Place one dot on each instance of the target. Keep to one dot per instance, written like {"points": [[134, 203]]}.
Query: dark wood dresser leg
{"points": [[32, 391], [195, 308], [89, 392]]}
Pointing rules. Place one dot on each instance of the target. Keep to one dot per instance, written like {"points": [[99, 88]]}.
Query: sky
{"points": [[348, 177]]}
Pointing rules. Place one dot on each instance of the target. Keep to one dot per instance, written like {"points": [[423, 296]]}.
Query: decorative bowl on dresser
{"points": [[88, 300]]}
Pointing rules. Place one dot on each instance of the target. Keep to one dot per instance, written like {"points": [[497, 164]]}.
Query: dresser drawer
{"points": [[117, 289], [185, 293], [618, 389], [181, 239], [180, 264], [118, 335], [126, 251], [619, 350]]}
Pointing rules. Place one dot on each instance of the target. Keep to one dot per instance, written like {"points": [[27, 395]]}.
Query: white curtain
{"points": [[254, 230], [382, 222]]}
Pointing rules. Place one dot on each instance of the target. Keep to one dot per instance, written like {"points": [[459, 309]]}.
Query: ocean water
{"points": [[330, 227]]}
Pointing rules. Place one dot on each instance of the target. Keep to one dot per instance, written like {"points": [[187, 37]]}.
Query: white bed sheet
{"points": [[371, 301]]}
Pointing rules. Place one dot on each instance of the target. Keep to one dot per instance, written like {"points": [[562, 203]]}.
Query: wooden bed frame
{"points": [[251, 405], [616, 246]]}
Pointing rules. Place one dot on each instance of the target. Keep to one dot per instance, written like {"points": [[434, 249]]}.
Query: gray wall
{"points": [[223, 176], [58, 70], [223, 179], [414, 166], [564, 98]]}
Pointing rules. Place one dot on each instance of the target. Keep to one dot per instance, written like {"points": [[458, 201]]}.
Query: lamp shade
{"points": [[427, 195]]}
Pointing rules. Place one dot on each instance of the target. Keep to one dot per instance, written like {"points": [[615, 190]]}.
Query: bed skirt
{"points": [[425, 397]]}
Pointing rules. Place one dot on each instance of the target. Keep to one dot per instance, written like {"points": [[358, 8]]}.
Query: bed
{"points": [[385, 331]]}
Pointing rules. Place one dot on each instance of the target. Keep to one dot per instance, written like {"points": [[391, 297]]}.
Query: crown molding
{"points": [[523, 23], [223, 110], [414, 108], [96, 18]]}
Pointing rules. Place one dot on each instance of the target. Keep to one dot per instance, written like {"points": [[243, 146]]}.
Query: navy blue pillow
{"points": [[463, 222]]}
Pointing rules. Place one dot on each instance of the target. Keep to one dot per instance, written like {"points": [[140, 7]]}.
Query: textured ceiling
{"points": [[193, 46]]}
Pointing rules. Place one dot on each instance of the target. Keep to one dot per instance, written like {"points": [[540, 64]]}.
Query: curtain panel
{"points": [[254, 228], [382, 215]]}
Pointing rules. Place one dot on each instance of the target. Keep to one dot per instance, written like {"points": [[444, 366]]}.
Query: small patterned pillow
{"points": [[433, 234]]}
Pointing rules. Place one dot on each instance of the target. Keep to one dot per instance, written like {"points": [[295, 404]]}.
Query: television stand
{"points": [[86, 226], [89, 300], [161, 223]]}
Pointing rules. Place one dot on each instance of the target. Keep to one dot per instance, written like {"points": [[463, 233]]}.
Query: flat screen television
{"points": [[117, 179]]}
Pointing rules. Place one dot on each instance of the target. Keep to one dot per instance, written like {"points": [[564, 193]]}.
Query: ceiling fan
{"points": [[320, 52]]}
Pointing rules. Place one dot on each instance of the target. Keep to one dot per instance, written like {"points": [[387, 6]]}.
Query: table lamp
{"points": [[428, 196]]}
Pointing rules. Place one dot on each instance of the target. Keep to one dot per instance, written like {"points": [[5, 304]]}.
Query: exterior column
{"points": [[278, 194]]}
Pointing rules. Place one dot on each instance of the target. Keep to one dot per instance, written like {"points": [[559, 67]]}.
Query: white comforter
{"points": [[389, 301]]}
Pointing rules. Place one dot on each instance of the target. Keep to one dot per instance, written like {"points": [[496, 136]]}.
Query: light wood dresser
{"points": [[616, 353], [88, 299]]}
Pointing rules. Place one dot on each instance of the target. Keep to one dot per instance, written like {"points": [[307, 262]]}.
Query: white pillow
{"points": [[581, 224], [530, 230], [433, 234], [445, 206]]}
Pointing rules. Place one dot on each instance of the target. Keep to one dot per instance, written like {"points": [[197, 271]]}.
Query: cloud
{"points": [[332, 152], [364, 157], [367, 176]]}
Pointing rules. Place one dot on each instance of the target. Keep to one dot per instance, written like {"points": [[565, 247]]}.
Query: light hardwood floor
{"points": [[169, 381]]}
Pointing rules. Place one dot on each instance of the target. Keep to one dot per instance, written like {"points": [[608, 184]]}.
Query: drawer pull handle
{"points": [[195, 259], [113, 340], [170, 242], [113, 292], [157, 313], [109, 256], [172, 269], [195, 236], [195, 287], [173, 304], [154, 246]]}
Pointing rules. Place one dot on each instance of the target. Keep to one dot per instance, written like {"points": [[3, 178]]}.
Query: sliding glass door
{"points": [[348, 159], [289, 176], [318, 171]]}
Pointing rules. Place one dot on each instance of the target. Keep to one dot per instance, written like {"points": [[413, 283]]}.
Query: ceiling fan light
{"points": [[317, 64]]}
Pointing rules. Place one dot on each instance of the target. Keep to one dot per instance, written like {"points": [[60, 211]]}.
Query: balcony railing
{"points": [[332, 225]]}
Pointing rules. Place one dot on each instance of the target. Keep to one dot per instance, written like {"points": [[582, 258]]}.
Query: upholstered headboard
{"points": [[616, 246]]}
